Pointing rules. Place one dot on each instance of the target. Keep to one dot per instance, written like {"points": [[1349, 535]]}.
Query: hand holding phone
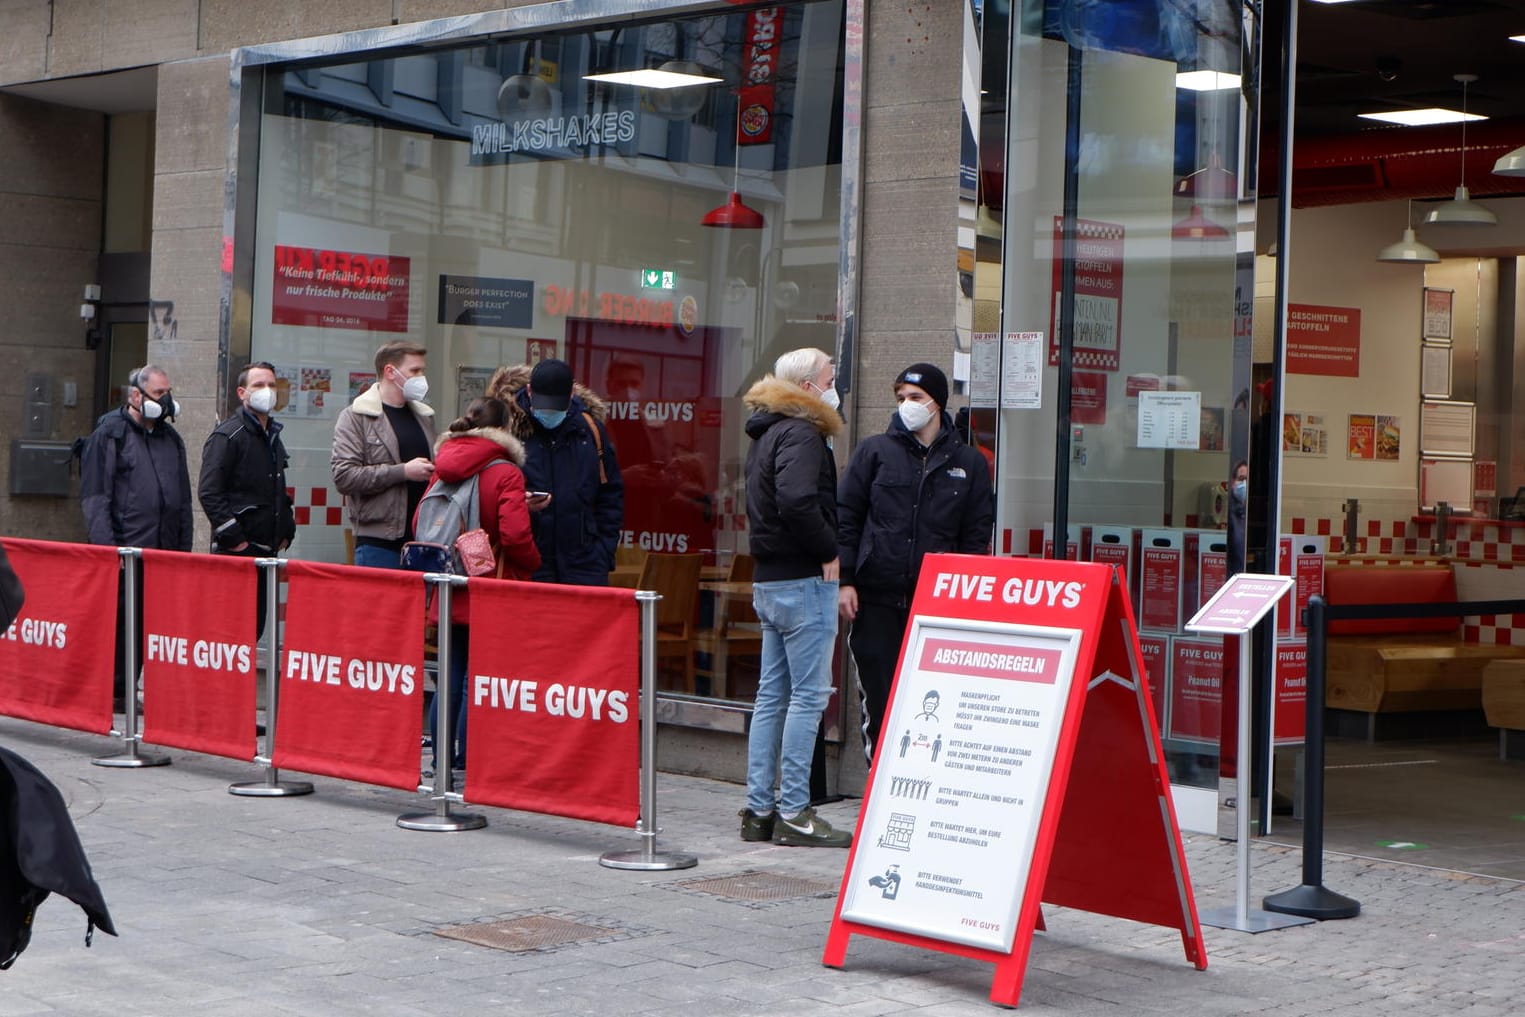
{"points": [[537, 500]]}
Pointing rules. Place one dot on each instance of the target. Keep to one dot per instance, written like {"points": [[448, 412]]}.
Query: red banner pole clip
{"points": [[647, 859], [272, 786], [442, 820], [130, 757]]}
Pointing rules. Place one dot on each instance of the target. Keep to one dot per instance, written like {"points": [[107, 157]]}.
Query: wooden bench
{"points": [[1504, 705], [1397, 677]]}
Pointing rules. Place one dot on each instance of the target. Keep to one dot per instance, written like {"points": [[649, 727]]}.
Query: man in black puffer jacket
{"points": [[911, 491], [792, 515]]}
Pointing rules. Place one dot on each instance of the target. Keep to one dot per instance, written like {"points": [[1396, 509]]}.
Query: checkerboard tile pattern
{"points": [[316, 506]]}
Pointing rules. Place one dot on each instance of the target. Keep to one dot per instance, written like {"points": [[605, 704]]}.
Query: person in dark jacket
{"points": [[134, 485], [577, 497], [913, 490], [792, 518], [243, 478]]}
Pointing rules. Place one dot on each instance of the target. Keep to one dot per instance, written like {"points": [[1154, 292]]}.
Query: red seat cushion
{"points": [[1396, 584]]}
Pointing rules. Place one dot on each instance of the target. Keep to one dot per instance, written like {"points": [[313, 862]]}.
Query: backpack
{"points": [[444, 513]]}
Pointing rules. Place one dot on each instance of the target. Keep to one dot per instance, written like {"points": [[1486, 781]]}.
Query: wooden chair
{"points": [[737, 632], [676, 578]]}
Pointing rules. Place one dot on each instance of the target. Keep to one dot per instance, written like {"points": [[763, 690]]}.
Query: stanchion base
{"points": [[659, 862], [130, 760], [1313, 902], [1255, 920], [279, 789], [433, 822]]}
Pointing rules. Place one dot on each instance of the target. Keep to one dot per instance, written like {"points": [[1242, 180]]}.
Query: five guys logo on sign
{"points": [[1032, 592]]}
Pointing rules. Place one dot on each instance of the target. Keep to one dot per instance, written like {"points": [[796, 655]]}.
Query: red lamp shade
{"points": [[1197, 226], [733, 215]]}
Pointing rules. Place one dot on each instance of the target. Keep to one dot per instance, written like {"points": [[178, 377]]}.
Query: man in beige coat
{"points": [[383, 454]]}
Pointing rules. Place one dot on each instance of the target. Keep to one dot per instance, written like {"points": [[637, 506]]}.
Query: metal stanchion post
{"points": [[272, 786], [647, 858], [1312, 899], [442, 820], [130, 756]]}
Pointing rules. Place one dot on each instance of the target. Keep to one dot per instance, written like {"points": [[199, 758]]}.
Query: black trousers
{"points": [[875, 641], [119, 679]]}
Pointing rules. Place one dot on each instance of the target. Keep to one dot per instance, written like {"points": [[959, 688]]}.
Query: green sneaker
{"points": [[809, 830], [755, 827]]}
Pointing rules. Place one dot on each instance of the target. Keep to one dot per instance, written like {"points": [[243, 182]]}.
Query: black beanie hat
{"points": [[927, 377]]}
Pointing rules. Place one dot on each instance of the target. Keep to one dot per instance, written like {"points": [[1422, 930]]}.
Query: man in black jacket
{"points": [[134, 486], [243, 477], [791, 510], [912, 490]]}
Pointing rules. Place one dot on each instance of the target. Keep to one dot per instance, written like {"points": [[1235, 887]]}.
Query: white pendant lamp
{"points": [[1462, 210], [1512, 164], [1409, 251]]}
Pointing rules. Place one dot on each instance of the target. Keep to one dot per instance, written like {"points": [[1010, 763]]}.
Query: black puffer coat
{"points": [[791, 481], [899, 502]]}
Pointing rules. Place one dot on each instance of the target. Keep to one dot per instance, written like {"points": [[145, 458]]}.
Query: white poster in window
{"points": [[1169, 419], [1022, 383], [984, 370], [1435, 371]]}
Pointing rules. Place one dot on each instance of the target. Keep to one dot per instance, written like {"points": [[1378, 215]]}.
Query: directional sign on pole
{"points": [[1240, 603]]}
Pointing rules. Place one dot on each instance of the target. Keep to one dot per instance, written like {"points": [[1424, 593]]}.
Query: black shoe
{"points": [[755, 827], [809, 830]]}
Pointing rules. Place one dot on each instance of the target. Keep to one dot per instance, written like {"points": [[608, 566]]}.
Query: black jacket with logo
{"points": [[899, 502], [243, 486], [791, 481]]}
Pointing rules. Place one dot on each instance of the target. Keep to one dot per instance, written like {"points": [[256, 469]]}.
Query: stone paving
{"points": [[321, 905]]}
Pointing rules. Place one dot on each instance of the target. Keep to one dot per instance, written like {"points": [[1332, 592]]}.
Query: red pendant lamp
{"points": [[735, 214], [1197, 226]]}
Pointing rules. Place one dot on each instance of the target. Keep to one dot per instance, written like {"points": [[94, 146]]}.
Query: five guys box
{"points": [[1212, 565], [1118, 545], [1302, 557], [1073, 546], [1162, 579]]}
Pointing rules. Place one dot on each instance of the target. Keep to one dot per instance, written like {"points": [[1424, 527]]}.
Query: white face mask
{"points": [[828, 395], [262, 400], [415, 388], [914, 415]]}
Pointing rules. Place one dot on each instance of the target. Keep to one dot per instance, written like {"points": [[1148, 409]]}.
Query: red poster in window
{"points": [[1291, 692], [1324, 340], [319, 288], [1098, 294], [553, 708], [1196, 690], [1088, 397], [1160, 588], [1156, 651]]}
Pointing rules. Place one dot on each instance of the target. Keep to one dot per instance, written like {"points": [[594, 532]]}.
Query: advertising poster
{"points": [[1304, 434], [1196, 691], [318, 288], [1291, 692], [1211, 438], [1324, 340], [1088, 397], [1098, 294], [1361, 436], [489, 302], [1437, 313], [1388, 438], [1170, 420], [960, 781], [1156, 651], [1162, 572]]}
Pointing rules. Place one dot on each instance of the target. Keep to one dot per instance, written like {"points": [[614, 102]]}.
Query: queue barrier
{"points": [[561, 681]]}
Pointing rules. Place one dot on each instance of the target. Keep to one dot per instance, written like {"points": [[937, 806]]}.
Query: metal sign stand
{"points": [[647, 857], [272, 786], [1235, 610], [130, 756], [442, 820]]}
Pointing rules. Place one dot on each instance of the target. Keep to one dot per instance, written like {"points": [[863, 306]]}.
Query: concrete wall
{"points": [[50, 232]]}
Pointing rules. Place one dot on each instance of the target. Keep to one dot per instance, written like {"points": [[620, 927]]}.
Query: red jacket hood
{"points": [[461, 455]]}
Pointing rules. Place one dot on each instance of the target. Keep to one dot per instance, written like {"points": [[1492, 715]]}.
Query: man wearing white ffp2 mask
{"points": [[913, 490], [383, 454]]}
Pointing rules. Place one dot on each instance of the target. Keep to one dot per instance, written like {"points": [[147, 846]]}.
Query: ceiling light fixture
{"points": [[1409, 251], [735, 214], [1511, 164], [1462, 210], [655, 77], [1427, 117], [1207, 81]]}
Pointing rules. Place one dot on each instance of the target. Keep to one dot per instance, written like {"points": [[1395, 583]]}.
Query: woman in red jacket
{"points": [[481, 444]]}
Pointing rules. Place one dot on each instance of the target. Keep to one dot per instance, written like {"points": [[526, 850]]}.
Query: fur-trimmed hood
{"points": [[772, 398], [461, 454], [368, 403]]}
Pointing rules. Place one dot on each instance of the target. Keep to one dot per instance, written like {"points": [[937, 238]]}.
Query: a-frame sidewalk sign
{"points": [[1019, 764]]}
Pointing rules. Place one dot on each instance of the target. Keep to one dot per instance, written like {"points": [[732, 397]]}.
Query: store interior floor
{"points": [[1447, 804]]}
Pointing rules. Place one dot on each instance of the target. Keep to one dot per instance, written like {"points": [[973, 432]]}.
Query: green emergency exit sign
{"points": [[657, 279]]}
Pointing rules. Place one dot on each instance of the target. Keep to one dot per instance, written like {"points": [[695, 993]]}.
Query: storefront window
{"points": [[521, 198]]}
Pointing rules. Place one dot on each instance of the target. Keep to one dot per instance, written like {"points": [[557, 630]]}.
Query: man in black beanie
{"points": [[914, 489]]}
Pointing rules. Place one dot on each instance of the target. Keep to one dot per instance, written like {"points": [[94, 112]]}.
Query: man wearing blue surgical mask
{"points": [[575, 495]]}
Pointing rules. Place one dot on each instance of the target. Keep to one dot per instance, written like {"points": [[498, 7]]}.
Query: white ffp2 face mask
{"points": [[914, 415], [262, 400], [415, 388]]}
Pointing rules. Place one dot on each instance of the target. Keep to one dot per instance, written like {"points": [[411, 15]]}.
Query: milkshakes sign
{"points": [[966, 756]]}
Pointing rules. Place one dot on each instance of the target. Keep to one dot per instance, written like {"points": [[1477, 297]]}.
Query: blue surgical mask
{"points": [[1240, 489], [550, 419]]}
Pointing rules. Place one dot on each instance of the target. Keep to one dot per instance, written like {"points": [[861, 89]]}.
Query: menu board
{"points": [[948, 831]]}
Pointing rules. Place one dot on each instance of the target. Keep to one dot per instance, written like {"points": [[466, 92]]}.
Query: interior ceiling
{"points": [[1374, 55]]}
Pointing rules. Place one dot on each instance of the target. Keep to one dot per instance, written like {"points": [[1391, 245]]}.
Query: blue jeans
{"points": [[458, 650], [799, 626], [373, 557]]}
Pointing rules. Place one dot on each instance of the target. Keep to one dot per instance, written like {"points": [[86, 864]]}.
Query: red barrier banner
{"points": [[57, 657], [553, 700], [352, 668], [198, 652]]}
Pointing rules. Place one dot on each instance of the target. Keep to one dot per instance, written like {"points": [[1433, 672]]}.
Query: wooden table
{"points": [[629, 576]]}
